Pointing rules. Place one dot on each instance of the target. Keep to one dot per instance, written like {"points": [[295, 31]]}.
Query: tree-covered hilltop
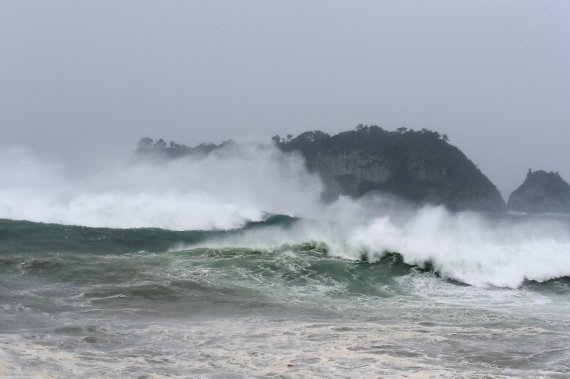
{"points": [[159, 148], [420, 166], [541, 192]]}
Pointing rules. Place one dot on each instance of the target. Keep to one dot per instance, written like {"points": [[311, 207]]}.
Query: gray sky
{"points": [[78, 78]]}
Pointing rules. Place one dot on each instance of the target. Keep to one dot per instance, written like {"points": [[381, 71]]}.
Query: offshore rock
{"points": [[541, 192]]}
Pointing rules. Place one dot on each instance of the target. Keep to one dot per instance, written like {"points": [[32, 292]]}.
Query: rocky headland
{"points": [[541, 192], [418, 166]]}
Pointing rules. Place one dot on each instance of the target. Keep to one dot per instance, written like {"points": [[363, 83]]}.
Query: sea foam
{"points": [[499, 250], [471, 248]]}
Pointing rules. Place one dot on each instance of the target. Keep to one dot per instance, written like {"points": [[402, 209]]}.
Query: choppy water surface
{"points": [[96, 302]]}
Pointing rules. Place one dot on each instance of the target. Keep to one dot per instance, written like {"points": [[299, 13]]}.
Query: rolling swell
{"points": [[38, 238], [63, 249], [200, 283], [60, 245]]}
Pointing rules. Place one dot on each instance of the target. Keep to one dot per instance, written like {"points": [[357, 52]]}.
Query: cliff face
{"points": [[349, 172], [416, 165], [541, 192]]}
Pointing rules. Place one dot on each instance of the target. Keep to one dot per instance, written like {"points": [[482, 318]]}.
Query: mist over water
{"points": [[229, 263], [245, 182], [222, 190]]}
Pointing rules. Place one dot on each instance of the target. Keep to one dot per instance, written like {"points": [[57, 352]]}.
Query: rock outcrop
{"points": [[420, 166], [541, 192]]}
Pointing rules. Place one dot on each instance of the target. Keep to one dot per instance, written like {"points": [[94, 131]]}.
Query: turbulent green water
{"points": [[96, 302]]}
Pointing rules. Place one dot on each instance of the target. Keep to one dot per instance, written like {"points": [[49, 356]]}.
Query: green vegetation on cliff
{"points": [[420, 166]]}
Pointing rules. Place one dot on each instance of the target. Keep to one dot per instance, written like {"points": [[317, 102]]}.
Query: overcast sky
{"points": [[78, 78]]}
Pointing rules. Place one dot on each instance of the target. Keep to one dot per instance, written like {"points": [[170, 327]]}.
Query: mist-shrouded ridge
{"points": [[223, 190], [244, 182]]}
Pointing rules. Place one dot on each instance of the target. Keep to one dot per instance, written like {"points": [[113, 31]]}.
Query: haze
{"points": [[84, 80]]}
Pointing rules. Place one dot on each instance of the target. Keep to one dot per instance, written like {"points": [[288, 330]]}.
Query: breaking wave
{"points": [[223, 201]]}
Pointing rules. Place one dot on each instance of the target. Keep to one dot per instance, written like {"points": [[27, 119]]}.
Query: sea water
{"points": [[230, 266], [266, 300]]}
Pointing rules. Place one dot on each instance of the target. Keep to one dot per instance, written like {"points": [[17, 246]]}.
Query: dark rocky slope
{"points": [[541, 192], [420, 166]]}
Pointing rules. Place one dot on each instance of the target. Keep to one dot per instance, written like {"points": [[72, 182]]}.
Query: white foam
{"points": [[472, 248], [222, 190], [469, 248]]}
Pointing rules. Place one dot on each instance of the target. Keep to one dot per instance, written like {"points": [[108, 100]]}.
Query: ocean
{"points": [[266, 300], [229, 266]]}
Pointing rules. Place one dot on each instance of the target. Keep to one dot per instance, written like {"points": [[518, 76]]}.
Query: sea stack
{"points": [[541, 192]]}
